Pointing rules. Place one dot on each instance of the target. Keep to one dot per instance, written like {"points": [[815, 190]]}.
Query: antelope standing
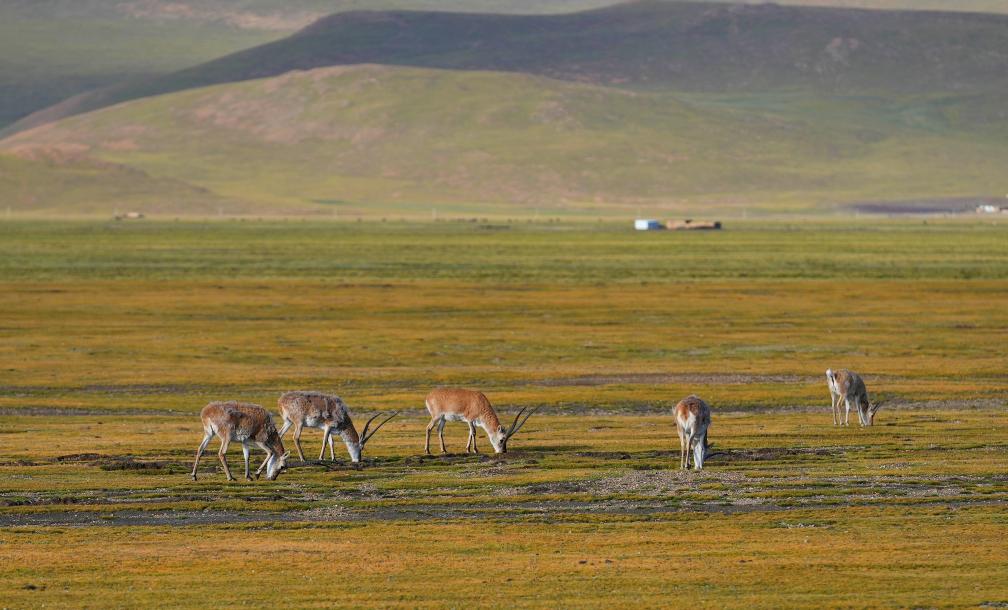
{"points": [[246, 423], [328, 412], [692, 417], [473, 408], [847, 386]]}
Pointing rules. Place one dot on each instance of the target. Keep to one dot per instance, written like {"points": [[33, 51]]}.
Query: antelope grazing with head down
{"points": [[329, 413], [692, 417], [246, 423], [473, 408], [847, 386]]}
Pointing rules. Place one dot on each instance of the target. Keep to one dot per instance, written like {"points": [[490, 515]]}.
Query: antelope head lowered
{"points": [[849, 388], [329, 413], [473, 408], [248, 424]]}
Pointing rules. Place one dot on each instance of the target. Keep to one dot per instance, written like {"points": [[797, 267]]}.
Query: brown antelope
{"points": [[847, 386], [692, 417], [328, 412], [473, 408], [246, 423]]}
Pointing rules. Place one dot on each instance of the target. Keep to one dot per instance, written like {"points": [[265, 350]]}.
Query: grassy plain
{"points": [[115, 334]]}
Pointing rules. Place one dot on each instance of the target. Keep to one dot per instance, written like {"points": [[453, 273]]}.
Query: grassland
{"points": [[376, 141], [115, 334], [579, 513]]}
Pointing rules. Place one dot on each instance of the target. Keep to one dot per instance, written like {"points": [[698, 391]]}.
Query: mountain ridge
{"points": [[645, 45]]}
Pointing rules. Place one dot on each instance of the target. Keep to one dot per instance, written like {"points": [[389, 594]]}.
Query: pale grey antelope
{"points": [[330, 414], [848, 387]]}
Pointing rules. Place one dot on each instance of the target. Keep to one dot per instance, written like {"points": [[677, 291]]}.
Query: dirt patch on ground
{"points": [[547, 510], [117, 462], [666, 379]]}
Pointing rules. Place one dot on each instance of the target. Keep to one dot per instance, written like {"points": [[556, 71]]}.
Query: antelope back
{"points": [[242, 419], [692, 406], [300, 406], [850, 384], [469, 404]]}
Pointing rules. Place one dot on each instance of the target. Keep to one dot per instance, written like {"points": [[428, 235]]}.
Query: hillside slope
{"points": [[373, 140], [643, 45], [54, 49]]}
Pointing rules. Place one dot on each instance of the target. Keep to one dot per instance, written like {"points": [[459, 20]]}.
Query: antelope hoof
{"points": [[193, 475]]}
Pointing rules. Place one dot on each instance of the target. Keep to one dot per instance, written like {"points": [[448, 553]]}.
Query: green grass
{"points": [[134, 314], [373, 141], [113, 335], [871, 524]]}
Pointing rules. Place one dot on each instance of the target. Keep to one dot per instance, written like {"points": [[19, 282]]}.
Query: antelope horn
{"points": [[517, 425], [365, 436]]}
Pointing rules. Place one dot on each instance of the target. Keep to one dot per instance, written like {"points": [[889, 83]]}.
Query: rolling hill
{"points": [[372, 140], [53, 49], [642, 45], [56, 49]]}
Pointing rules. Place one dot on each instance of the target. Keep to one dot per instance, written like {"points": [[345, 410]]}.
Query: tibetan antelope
{"points": [[473, 408], [847, 386], [692, 417], [328, 412], [246, 423]]}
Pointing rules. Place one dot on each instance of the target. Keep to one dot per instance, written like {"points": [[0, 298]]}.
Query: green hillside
{"points": [[373, 140], [53, 49], [644, 45]]}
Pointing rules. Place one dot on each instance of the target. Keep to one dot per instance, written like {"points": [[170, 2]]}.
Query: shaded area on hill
{"points": [[643, 45]]}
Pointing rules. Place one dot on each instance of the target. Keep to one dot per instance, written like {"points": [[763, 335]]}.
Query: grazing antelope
{"points": [[328, 412], [692, 417], [850, 388], [246, 423], [473, 408]]}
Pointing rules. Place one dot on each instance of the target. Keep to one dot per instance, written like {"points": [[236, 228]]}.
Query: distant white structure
{"points": [[642, 224], [988, 208]]}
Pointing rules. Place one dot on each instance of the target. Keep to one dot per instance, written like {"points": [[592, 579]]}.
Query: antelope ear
{"points": [[286, 455]]}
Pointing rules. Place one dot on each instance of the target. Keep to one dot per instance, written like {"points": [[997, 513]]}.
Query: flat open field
{"points": [[115, 334]]}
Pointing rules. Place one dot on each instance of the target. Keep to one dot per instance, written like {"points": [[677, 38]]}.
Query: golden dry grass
{"points": [[115, 336]]}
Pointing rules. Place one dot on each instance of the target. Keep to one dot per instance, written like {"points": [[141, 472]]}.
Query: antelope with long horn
{"points": [[692, 416], [473, 408], [850, 388], [329, 413], [246, 423]]}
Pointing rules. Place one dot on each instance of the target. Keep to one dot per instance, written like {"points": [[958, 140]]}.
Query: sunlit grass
{"points": [[113, 337]]}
